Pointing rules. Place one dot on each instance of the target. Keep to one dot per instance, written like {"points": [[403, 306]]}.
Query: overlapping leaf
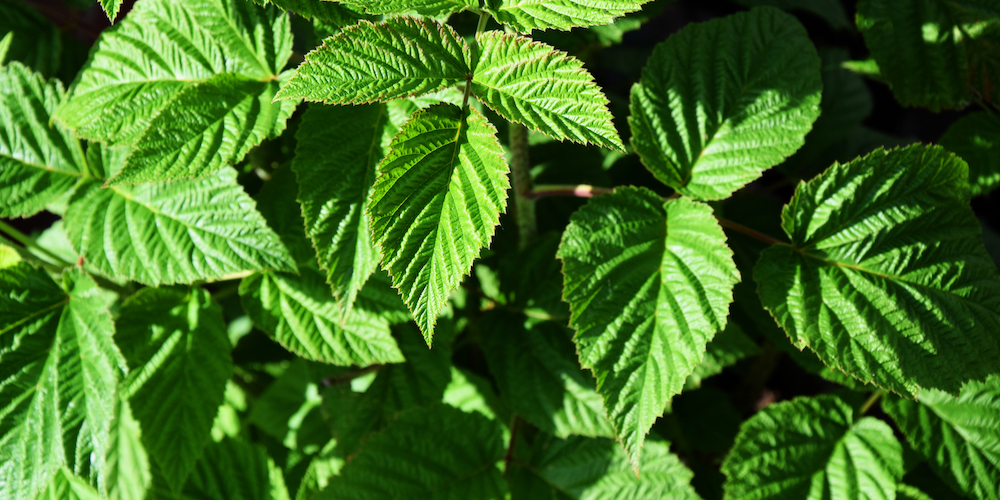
{"points": [[236, 469], [65, 486], [442, 188], [720, 102], [32, 39], [176, 345], [649, 284], [377, 62], [533, 84], [958, 435], [526, 15], [38, 163], [59, 368], [127, 463], [886, 278], [813, 448], [830, 11], [976, 138], [429, 8]]}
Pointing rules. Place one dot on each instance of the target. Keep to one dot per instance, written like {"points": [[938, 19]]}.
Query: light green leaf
{"points": [[175, 232], [830, 11], [813, 448], [290, 410], [535, 368], [436, 453], [533, 84], [276, 202], [127, 463], [907, 492], [959, 436], [370, 62], [38, 163], [886, 278], [204, 128], [318, 10], [58, 368], [935, 53], [5, 44], [175, 342], [442, 188], [649, 284], [334, 186], [976, 138], [163, 47], [235, 470], [111, 8], [526, 15], [8, 257], [65, 486], [429, 8], [720, 102]]}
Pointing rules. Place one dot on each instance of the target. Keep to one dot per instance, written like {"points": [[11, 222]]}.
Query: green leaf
{"points": [[597, 469], [111, 8], [907, 492], [471, 393], [163, 47], [526, 15], [976, 138], [235, 469], [535, 368], [435, 205], [957, 435], [370, 62], [334, 187], [176, 232], [58, 368], [33, 40], [830, 11], [290, 410], [276, 202], [204, 128], [533, 84], [728, 347], [437, 452], [65, 486], [720, 102], [321, 10], [813, 448], [8, 257], [175, 342], [649, 284], [886, 278], [935, 53], [429, 8], [38, 163], [128, 473]]}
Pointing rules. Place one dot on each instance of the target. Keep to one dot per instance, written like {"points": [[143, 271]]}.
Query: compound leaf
{"points": [[887, 278], [533, 84], [812, 448], [649, 284], [435, 205], [527, 15], [957, 435], [378, 62], [976, 138], [720, 102]]}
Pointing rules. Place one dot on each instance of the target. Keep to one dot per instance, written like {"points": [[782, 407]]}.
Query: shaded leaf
{"points": [[235, 470], [976, 138], [526, 15], [830, 11], [111, 8], [128, 473]]}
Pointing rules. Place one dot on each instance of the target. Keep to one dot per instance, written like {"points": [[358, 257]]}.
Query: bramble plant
{"points": [[318, 249]]}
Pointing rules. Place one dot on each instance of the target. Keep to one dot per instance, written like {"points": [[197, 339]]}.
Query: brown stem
{"points": [[753, 233]]}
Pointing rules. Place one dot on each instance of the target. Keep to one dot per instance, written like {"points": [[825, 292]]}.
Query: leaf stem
{"points": [[753, 233], [870, 402], [484, 18], [520, 170], [579, 190], [30, 244]]}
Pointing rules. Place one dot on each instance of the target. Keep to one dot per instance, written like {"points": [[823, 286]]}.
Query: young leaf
{"points": [[236, 469], [526, 15], [886, 278], [436, 203], [976, 138], [533, 84], [649, 284], [127, 463], [722, 101], [428, 8], [175, 342], [957, 435], [111, 8], [813, 448], [175, 232], [371, 62], [38, 163], [65, 486], [59, 369]]}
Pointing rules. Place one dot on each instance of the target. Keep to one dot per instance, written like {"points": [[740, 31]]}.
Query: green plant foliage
{"points": [[907, 492], [957, 435], [728, 347], [527, 15], [111, 8], [440, 192], [886, 277], [721, 102], [127, 463], [976, 139], [830, 11], [376, 62], [236, 469], [673, 281], [320, 10], [65, 486], [30, 38], [429, 8], [813, 448]]}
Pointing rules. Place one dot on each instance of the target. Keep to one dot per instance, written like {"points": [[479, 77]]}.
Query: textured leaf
{"points": [[435, 453], [175, 342], [58, 368], [907, 492], [720, 102], [235, 469], [128, 473], [66, 486], [542, 88], [728, 347], [370, 62], [976, 138], [318, 10], [442, 188], [887, 278], [334, 186], [164, 47], [526, 15], [429, 8], [38, 163], [830, 11], [111, 8], [175, 232], [959, 436], [813, 448], [649, 284], [536, 371], [935, 53]]}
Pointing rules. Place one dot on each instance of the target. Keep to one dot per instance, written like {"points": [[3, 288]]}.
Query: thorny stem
{"points": [[870, 402], [30, 243], [520, 168]]}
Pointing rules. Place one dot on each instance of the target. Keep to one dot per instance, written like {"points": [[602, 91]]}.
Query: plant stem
{"points": [[520, 168], [870, 402], [753, 233], [484, 18], [580, 191], [510, 445], [30, 244]]}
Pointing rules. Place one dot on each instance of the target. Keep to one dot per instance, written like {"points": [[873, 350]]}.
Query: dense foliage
{"points": [[374, 249]]}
